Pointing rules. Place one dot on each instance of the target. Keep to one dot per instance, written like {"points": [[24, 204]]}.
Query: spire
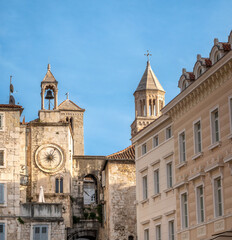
{"points": [[49, 76], [149, 81]]}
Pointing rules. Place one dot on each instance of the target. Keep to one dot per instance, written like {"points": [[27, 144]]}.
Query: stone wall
{"points": [[119, 199]]}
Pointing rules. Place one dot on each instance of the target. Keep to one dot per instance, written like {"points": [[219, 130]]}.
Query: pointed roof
{"points": [[149, 81], [69, 105], [49, 76]]}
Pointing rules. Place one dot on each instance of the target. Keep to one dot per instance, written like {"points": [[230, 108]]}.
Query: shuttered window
{"points": [[40, 232], [1, 193], [2, 231]]}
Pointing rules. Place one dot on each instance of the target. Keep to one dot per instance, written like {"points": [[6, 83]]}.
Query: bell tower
{"points": [[149, 100], [49, 98]]}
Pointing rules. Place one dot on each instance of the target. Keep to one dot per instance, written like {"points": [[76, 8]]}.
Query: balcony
{"points": [[43, 211]]}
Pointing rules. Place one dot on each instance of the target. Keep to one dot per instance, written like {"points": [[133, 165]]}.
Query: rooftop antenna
{"points": [[11, 98]]}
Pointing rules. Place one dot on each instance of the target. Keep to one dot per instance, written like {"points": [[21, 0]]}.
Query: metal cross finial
{"points": [[148, 54], [67, 94]]}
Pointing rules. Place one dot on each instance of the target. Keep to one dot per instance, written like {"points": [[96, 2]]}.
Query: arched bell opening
{"points": [[49, 97], [90, 190]]}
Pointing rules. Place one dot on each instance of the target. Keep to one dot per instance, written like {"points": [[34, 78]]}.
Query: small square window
{"points": [[144, 148], [156, 141]]}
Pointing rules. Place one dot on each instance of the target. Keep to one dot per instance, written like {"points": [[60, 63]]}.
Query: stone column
{"points": [[42, 98], [55, 99]]}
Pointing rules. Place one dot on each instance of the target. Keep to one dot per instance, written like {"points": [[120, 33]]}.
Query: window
{"points": [[2, 194], [146, 234], [184, 210], [155, 141], [59, 185], [200, 205], [144, 148], [145, 187], [1, 121], [130, 238], [168, 132], [2, 160], [171, 231], [215, 126], [230, 106], [40, 232], [169, 175], [197, 137], [158, 232], [156, 181], [2, 231], [182, 147], [218, 197]]}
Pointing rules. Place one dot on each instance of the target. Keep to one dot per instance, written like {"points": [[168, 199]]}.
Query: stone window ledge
{"points": [[197, 155], [156, 195], [182, 164], [230, 136], [168, 189], [214, 145], [144, 201]]}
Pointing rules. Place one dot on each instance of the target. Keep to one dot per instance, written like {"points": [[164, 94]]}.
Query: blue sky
{"points": [[96, 51]]}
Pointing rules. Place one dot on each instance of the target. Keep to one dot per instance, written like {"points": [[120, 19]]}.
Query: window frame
{"points": [[156, 181], [198, 203], [4, 203], [171, 236], [155, 141], [4, 158], [169, 184], [4, 222], [166, 132], [146, 231], [158, 234], [144, 148], [216, 210], [195, 136], [182, 154], [145, 187], [184, 223], [212, 126], [40, 224], [60, 180], [230, 112], [2, 127]]}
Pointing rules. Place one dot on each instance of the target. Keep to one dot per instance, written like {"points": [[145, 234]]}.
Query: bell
{"points": [[49, 95]]}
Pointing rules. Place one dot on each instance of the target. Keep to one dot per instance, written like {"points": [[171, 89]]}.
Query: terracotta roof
{"points": [[191, 76], [10, 106], [226, 46], [208, 62], [126, 154]]}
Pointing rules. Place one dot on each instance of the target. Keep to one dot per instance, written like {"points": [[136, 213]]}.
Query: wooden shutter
{"points": [[1, 193]]}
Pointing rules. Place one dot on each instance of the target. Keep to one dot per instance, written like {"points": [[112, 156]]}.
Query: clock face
{"points": [[49, 158]]}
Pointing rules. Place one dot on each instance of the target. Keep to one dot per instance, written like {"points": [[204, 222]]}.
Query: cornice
{"points": [[201, 88]]}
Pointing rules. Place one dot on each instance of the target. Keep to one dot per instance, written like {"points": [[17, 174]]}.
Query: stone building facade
{"points": [[200, 151], [44, 159]]}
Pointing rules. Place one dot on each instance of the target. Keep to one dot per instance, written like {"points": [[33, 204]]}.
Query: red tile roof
{"points": [[191, 76], [126, 154], [226, 46]]}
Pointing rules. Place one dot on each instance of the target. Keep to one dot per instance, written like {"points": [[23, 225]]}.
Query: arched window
{"points": [[154, 108], [59, 185], [130, 238], [90, 190], [199, 72], [71, 122]]}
